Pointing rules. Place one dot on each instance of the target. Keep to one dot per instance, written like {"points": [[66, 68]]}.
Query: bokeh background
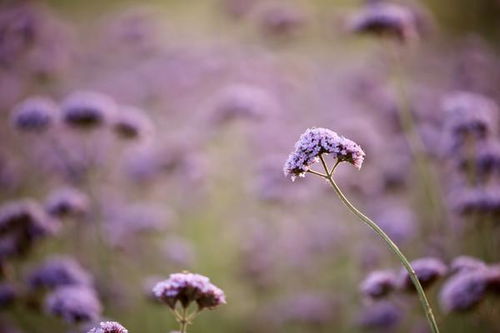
{"points": [[224, 89]]}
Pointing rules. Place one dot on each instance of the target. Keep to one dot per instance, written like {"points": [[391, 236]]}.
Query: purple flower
{"points": [[74, 304], [8, 295], [187, 288], [477, 201], [463, 291], [381, 314], [466, 264], [36, 114], [242, 101], [428, 271], [58, 271], [386, 19], [378, 284], [67, 202], [23, 222], [86, 109], [469, 115], [132, 123], [108, 327], [317, 141]]}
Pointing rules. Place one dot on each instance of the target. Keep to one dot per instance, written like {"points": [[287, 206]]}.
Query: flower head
{"points": [[59, 271], [317, 141], [67, 202], [187, 288], [386, 19], [36, 114], [108, 327], [463, 291], [378, 284], [74, 304], [466, 264], [85, 109], [428, 270], [381, 315], [132, 123]]}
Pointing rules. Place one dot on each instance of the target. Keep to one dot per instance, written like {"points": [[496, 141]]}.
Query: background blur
{"points": [[228, 87]]}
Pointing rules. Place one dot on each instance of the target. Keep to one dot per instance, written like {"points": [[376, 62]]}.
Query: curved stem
{"points": [[183, 321], [392, 246]]}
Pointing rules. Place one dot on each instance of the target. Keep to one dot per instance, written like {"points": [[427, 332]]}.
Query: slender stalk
{"points": [[183, 321], [389, 242]]}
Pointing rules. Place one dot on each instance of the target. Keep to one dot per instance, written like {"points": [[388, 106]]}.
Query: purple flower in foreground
{"points": [[317, 141], [36, 114], [463, 291], [85, 109], [187, 288], [108, 327], [386, 19], [74, 304], [378, 284], [428, 271]]}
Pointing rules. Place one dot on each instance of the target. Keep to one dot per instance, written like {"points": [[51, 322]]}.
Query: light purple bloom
{"points": [[378, 284], [58, 271], [74, 304], [187, 288], [386, 19], [67, 202], [463, 291], [428, 271], [108, 327], [132, 123], [87, 109], [381, 314], [317, 141], [36, 114], [465, 264]]}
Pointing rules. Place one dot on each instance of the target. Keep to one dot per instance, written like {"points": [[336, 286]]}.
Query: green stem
{"points": [[392, 246], [183, 321]]}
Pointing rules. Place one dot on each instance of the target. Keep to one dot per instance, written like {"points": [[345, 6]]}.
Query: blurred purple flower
{"points": [[35, 114], [378, 284], [428, 271], [66, 201], [380, 315], [304, 308], [8, 295], [58, 271], [463, 291], [87, 109], [280, 20], [132, 123], [178, 251], [383, 18], [74, 304], [463, 264]]}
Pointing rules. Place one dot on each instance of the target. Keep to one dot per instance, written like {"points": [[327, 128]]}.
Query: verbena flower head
{"points": [[386, 19], [428, 271], [378, 284], [36, 114], [108, 327], [469, 115], [317, 141], [463, 291], [380, 315], [466, 264], [74, 304], [8, 295], [67, 201], [86, 109], [132, 123], [187, 288], [58, 271]]}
